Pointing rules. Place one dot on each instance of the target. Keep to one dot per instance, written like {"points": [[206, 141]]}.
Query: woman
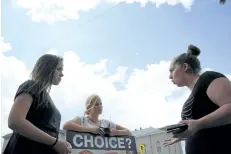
{"points": [[90, 122], [34, 119], [207, 111]]}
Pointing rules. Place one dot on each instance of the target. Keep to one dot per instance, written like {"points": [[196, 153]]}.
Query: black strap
{"points": [[56, 140]]}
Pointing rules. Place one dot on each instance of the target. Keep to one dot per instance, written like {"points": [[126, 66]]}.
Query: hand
{"points": [[114, 132], [62, 147], [193, 127], [95, 130], [171, 141], [69, 145]]}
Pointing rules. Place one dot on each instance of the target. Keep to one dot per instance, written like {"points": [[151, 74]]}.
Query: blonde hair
{"points": [[90, 102]]}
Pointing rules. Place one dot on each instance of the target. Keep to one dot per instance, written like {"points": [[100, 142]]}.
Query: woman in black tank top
{"points": [[34, 118], [207, 111]]}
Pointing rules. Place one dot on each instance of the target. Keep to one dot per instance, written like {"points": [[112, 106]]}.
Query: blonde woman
{"points": [[91, 123]]}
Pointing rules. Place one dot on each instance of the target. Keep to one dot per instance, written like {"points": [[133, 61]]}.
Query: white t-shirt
{"points": [[103, 123]]}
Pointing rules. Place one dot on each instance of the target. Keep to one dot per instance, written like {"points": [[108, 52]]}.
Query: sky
{"points": [[119, 49]]}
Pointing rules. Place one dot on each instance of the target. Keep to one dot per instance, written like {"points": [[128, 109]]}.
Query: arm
{"points": [[219, 92], [17, 121], [75, 125], [123, 131]]}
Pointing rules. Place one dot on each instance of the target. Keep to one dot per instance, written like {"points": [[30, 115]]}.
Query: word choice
{"points": [[101, 142]]}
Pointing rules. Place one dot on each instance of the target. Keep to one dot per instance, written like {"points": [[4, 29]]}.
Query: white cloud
{"points": [[4, 46], [13, 72], [52, 51], [51, 11], [145, 90], [147, 97]]}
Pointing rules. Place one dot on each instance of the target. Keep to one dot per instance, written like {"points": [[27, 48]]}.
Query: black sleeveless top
{"points": [[45, 117], [198, 105]]}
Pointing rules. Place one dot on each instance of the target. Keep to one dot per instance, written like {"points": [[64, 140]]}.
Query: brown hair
{"points": [[42, 74], [44, 69], [189, 58]]}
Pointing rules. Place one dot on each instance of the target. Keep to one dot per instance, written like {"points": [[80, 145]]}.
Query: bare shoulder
{"points": [[20, 108], [77, 120], [24, 98], [219, 91], [22, 103]]}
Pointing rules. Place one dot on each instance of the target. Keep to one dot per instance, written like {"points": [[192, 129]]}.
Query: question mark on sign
{"points": [[128, 141]]}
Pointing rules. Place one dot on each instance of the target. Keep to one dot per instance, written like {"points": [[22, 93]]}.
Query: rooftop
{"points": [[146, 131]]}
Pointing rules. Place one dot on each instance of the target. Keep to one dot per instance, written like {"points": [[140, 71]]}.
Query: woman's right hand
{"points": [[62, 147], [171, 141], [95, 130]]}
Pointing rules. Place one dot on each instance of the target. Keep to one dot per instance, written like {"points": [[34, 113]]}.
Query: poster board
{"points": [[87, 143]]}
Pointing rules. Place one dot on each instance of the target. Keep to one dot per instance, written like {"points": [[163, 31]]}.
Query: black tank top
{"points": [[198, 105]]}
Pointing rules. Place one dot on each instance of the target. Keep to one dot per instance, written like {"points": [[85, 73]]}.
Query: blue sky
{"points": [[127, 35], [121, 32]]}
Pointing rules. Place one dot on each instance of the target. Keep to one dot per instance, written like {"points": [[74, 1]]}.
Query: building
{"points": [[148, 141]]}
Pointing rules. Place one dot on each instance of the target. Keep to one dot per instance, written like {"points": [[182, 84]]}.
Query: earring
{"points": [[188, 71]]}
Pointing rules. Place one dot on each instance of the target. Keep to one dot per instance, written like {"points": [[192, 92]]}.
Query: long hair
{"points": [[42, 74]]}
